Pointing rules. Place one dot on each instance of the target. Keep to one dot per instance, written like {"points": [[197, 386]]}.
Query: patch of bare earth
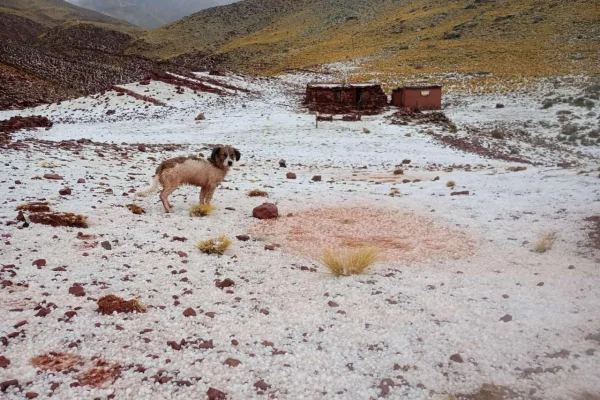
{"points": [[55, 361], [103, 372], [399, 236]]}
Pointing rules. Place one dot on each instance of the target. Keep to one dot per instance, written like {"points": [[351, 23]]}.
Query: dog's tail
{"points": [[150, 189]]}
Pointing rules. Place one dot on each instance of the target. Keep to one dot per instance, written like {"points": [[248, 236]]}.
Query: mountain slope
{"points": [[149, 13], [506, 37]]}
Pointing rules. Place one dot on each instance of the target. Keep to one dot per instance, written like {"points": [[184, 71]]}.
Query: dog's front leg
{"points": [[202, 195], [210, 191]]}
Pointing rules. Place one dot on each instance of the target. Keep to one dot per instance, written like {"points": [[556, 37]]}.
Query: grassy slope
{"points": [[393, 36]]}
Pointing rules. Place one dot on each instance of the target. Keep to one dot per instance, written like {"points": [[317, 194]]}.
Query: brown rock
{"points": [[77, 291], [456, 358], [406, 161], [333, 304], [290, 175], [210, 314], [269, 247], [43, 312], [52, 176], [385, 386], [261, 385], [243, 238], [110, 112], [39, 263], [106, 245], [20, 216], [31, 395], [266, 211], [189, 312], [200, 117], [174, 345], [65, 191], [224, 283], [316, 178], [4, 362], [6, 384], [80, 180], [461, 193], [232, 362], [215, 394], [70, 314]]}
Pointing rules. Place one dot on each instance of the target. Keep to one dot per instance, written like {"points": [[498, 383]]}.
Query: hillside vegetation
{"points": [[504, 37]]}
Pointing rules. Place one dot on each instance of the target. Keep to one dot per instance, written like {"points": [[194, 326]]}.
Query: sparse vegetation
{"points": [[516, 169], [544, 242], [497, 134], [214, 246], [201, 210], [258, 193], [450, 184], [134, 208], [35, 207], [111, 303], [47, 164], [55, 219], [55, 361], [349, 262]]}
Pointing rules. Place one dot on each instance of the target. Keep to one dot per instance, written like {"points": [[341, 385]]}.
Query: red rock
{"points": [[210, 314], [77, 291], [174, 345], [39, 263], [182, 254], [262, 385], [207, 344], [6, 384], [4, 362], [189, 312], [385, 386], [52, 176], [70, 314], [462, 193], [106, 245], [20, 216], [290, 175], [264, 311], [141, 148], [266, 211], [316, 178], [224, 284], [456, 358], [406, 161], [20, 324], [215, 394], [269, 247], [80, 180], [200, 117], [110, 112], [43, 312], [540, 284], [333, 304], [243, 238], [65, 191]]}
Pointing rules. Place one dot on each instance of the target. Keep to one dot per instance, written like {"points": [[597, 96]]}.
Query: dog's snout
{"points": [[230, 163]]}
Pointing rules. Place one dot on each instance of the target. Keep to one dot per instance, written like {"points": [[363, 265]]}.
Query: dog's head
{"points": [[224, 157]]}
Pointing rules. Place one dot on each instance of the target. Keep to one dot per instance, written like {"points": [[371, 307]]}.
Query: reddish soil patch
{"points": [[59, 219], [54, 361], [103, 372], [111, 303], [399, 236]]}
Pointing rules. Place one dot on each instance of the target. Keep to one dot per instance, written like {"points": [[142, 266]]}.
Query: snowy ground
{"points": [[403, 321]]}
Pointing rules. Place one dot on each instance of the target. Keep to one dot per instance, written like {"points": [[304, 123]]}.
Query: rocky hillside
{"points": [[51, 50], [507, 37], [149, 13]]}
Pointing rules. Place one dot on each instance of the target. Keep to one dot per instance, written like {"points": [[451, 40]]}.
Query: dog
{"points": [[194, 171]]}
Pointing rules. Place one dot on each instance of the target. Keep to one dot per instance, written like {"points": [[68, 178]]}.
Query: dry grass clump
{"points": [[38, 206], [516, 169], [134, 208], [201, 210], [59, 219], [544, 243], [349, 262], [214, 246], [111, 303], [46, 164], [258, 193], [399, 171], [450, 184]]}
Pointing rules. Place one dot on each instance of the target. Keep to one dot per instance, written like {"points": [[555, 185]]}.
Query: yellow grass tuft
{"points": [[544, 243], [258, 193], [214, 246], [349, 262], [48, 164], [201, 210], [450, 184]]}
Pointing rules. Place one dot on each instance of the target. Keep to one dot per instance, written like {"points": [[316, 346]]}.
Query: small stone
{"points": [[243, 238], [174, 345], [269, 247], [461, 193], [316, 178], [333, 304], [282, 163], [456, 358], [262, 385], [4, 362], [215, 394], [39, 263], [52, 176], [506, 318], [6, 384], [290, 175], [31, 395], [80, 180], [77, 291], [365, 130], [540, 284], [20, 216], [65, 191], [43, 312], [189, 312], [210, 314], [499, 105], [106, 245], [224, 283]]}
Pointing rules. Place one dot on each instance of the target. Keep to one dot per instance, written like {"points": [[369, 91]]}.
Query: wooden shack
{"points": [[418, 97], [343, 98]]}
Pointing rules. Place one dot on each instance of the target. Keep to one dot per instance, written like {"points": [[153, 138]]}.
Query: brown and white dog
{"points": [[194, 171]]}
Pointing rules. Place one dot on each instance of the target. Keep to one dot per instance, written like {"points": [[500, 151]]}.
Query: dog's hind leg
{"points": [[164, 197]]}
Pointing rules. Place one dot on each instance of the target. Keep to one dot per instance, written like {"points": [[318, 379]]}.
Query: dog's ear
{"points": [[215, 153], [237, 155]]}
